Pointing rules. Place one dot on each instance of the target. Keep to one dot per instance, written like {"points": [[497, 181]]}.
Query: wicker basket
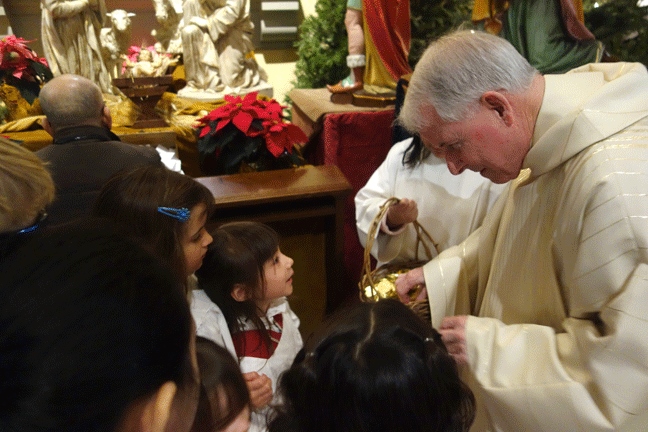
{"points": [[380, 283]]}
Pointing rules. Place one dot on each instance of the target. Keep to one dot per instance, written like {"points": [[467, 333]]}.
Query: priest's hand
{"points": [[453, 334], [403, 212], [413, 280], [260, 388]]}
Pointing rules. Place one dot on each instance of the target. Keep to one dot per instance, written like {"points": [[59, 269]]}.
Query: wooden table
{"points": [[298, 203], [37, 139]]}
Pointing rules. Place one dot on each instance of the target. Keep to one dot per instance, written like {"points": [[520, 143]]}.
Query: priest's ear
{"points": [[499, 103]]}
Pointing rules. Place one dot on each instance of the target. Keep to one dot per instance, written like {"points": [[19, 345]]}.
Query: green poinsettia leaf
{"points": [[251, 146], [206, 145], [230, 160], [214, 143], [42, 71], [227, 136]]}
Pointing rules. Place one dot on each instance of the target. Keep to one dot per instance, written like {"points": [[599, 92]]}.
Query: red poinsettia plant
{"points": [[248, 133], [21, 67]]}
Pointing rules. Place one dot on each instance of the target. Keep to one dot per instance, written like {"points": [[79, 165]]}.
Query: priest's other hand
{"points": [[407, 282], [453, 334]]}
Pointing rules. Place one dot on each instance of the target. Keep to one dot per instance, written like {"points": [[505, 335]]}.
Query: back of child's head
{"points": [[223, 392], [91, 324], [26, 187], [236, 257], [378, 367], [133, 200]]}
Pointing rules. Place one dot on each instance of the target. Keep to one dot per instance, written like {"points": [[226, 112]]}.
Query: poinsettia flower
{"points": [[16, 57], [273, 109], [17, 44], [240, 111], [282, 137]]}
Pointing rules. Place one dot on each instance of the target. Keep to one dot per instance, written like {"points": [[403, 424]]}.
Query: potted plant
{"points": [[248, 133], [22, 68]]}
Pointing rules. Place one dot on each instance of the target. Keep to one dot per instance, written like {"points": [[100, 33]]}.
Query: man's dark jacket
{"points": [[81, 160]]}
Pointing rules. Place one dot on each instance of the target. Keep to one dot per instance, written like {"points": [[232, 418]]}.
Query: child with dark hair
{"points": [[95, 336], [378, 367], [242, 306], [224, 404], [165, 209]]}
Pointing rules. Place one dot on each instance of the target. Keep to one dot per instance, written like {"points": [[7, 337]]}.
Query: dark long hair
{"points": [[219, 375], [131, 199], [378, 367], [236, 256], [415, 152], [90, 323]]}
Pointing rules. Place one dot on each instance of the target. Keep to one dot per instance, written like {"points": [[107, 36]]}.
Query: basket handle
{"points": [[423, 237]]}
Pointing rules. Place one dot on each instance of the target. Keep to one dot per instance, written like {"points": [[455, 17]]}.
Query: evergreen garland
{"points": [[433, 18], [621, 25], [322, 46]]}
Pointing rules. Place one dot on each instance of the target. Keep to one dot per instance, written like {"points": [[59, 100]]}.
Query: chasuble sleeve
{"points": [[451, 279]]}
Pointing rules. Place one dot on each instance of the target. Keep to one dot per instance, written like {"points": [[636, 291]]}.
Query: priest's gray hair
{"points": [[454, 72]]}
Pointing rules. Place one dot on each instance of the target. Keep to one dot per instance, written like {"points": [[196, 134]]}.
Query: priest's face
{"points": [[487, 142]]}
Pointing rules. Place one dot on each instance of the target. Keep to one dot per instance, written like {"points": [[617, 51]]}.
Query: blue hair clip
{"points": [[41, 217], [29, 229], [181, 214]]}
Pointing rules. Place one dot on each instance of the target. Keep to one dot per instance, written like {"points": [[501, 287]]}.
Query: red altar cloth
{"points": [[356, 142]]}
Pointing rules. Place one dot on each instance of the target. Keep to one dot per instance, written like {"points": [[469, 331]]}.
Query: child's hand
{"points": [[260, 388], [401, 213]]}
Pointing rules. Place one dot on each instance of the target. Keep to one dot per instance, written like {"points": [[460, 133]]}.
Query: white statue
{"points": [[71, 43], [115, 40], [217, 49], [169, 15]]}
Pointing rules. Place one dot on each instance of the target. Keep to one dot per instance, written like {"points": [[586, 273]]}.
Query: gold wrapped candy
{"points": [[385, 287]]}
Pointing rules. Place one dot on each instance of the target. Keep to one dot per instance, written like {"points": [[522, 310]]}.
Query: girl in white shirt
{"points": [[242, 305]]}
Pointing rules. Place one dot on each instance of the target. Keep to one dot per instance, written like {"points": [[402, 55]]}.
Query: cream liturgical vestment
{"points": [[556, 279]]}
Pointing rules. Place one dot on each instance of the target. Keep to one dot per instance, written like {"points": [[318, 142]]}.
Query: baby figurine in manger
{"points": [[149, 64]]}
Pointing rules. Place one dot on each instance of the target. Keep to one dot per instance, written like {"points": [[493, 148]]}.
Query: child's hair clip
{"points": [[41, 217], [181, 214]]}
